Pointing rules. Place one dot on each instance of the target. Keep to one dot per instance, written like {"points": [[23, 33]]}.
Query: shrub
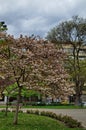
{"points": [[69, 121], [28, 111], [43, 113], [13, 110], [3, 110], [59, 117], [36, 112], [20, 111], [51, 114]]}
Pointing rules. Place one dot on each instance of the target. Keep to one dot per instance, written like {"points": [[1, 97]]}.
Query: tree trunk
{"points": [[6, 110], [78, 100], [15, 122]]}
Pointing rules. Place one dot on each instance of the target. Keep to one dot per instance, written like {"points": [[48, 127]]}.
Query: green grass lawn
{"points": [[31, 122], [2, 106], [56, 107], [51, 107]]}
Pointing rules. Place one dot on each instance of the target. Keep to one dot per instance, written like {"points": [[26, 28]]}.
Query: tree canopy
{"points": [[69, 32], [35, 64], [73, 34], [3, 27]]}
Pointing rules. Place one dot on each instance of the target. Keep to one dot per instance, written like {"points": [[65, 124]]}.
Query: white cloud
{"points": [[38, 16]]}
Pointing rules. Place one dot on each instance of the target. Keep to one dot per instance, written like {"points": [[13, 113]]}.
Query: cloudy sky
{"points": [[38, 16]]}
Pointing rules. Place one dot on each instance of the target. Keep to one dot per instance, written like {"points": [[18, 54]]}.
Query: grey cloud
{"points": [[38, 16]]}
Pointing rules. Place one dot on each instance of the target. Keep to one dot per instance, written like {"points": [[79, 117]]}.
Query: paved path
{"points": [[78, 114]]}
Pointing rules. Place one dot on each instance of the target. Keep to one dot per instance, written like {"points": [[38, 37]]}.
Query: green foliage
{"points": [[11, 90], [81, 72], [36, 112], [3, 27], [73, 34], [35, 93], [69, 121], [3, 110], [72, 123], [1, 41], [13, 110], [20, 111], [29, 112], [30, 122], [29, 93], [59, 106]]}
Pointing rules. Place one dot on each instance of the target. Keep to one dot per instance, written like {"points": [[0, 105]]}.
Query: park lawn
{"points": [[2, 106], [56, 107], [31, 122], [50, 106]]}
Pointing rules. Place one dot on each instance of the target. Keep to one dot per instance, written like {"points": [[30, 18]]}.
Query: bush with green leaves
{"points": [[69, 121]]}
